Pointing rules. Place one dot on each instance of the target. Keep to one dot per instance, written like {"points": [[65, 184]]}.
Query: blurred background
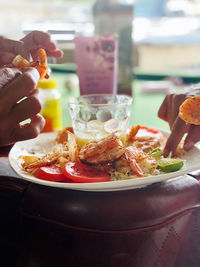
{"points": [[166, 33], [164, 36]]}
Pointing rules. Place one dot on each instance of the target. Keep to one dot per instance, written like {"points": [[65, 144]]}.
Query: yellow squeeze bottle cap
{"points": [[47, 84]]}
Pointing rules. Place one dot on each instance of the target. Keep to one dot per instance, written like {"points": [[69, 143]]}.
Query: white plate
{"points": [[44, 142]]}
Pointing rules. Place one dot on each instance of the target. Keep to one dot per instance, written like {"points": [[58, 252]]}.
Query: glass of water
{"points": [[99, 115]]}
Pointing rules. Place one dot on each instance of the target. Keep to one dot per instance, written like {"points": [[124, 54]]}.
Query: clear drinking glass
{"points": [[97, 116]]}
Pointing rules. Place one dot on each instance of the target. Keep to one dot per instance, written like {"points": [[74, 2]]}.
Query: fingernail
{"points": [[188, 145]]}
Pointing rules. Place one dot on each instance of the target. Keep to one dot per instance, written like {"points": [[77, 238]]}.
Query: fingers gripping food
{"points": [[40, 64], [189, 111]]}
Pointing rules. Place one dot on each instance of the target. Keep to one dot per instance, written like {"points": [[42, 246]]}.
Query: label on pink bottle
{"points": [[97, 63]]}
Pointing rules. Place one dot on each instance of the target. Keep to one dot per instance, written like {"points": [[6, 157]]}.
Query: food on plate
{"points": [[28, 160], [51, 173], [135, 161], [104, 150], [170, 164], [156, 153], [189, 110], [145, 138], [64, 150], [40, 64], [107, 159], [81, 173]]}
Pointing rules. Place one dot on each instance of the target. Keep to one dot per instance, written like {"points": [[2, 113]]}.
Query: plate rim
{"points": [[118, 185]]}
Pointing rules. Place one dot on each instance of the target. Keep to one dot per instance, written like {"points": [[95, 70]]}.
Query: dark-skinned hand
{"points": [[169, 112]]}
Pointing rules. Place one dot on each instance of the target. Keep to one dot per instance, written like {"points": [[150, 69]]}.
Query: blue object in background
{"points": [[150, 8]]}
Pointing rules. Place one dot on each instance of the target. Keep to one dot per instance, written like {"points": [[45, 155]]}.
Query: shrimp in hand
{"points": [[189, 110], [40, 64]]}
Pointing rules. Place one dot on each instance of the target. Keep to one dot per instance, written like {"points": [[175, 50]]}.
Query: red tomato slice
{"points": [[82, 173], [51, 173]]}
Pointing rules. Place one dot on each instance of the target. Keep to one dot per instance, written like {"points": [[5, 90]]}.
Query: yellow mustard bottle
{"points": [[51, 105]]}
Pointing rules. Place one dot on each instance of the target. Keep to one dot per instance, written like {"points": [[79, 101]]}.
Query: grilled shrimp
{"points": [[104, 150], [189, 111], [64, 150], [72, 147], [132, 133], [67, 137], [59, 150], [62, 135], [144, 139], [137, 161], [40, 64]]}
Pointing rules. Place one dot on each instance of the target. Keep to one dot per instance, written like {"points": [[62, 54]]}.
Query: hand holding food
{"points": [[22, 64], [183, 121], [27, 47], [40, 64], [17, 95], [19, 99]]}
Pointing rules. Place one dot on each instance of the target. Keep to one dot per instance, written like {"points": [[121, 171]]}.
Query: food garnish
{"points": [[82, 173], [103, 160], [170, 164], [51, 173], [156, 153]]}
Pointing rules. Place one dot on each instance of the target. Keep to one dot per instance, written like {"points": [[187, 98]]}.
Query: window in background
{"points": [[166, 33], [20, 16]]}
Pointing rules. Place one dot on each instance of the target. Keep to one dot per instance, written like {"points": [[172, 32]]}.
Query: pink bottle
{"points": [[96, 59]]}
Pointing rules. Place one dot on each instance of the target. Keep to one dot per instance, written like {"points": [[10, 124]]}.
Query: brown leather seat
{"points": [[11, 195], [155, 226]]}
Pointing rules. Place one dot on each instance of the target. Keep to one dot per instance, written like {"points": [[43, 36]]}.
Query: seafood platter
{"points": [[56, 159]]}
